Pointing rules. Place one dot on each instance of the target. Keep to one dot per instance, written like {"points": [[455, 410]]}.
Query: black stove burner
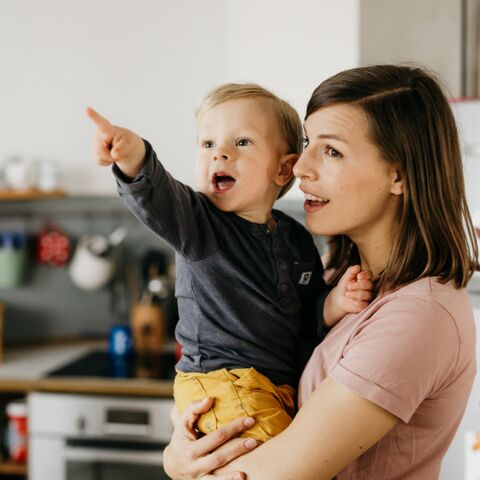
{"points": [[102, 364]]}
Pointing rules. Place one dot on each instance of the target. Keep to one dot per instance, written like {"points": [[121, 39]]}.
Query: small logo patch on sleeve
{"points": [[305, 278]]}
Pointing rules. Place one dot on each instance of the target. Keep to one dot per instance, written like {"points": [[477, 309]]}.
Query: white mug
{"points": [[92, 265], [18, 173]]}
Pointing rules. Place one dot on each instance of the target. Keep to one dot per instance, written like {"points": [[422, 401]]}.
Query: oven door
{"points": [[109, 459], [95, 459], [74, 437]]}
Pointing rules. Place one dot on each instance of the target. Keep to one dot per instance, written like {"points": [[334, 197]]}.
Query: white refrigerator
{"points": [[462, 461]]}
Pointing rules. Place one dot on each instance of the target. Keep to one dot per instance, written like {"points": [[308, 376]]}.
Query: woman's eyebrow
{"points": [[330, 136]]}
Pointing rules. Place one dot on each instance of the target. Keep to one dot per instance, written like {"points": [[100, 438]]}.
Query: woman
{"points": [[383, 394]]}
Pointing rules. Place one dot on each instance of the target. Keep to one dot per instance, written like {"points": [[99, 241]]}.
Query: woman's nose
{"points": [[301, 169]]}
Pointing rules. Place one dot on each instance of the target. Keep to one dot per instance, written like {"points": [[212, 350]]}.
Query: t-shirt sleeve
{"points": [[405, 352], [168, 207]]}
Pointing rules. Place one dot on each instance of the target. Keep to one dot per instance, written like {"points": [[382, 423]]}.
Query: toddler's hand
{"points": [[118, 145], [351, 295]]}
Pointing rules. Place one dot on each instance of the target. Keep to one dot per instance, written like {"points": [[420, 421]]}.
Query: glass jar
{"points": [[17, 431]]}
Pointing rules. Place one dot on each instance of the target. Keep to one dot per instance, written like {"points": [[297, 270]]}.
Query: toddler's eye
{"points": [[243, 142], [207, 144], [305, 142]]}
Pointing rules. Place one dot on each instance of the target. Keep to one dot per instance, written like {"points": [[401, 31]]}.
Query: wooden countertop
{"points": [[24, 370]]}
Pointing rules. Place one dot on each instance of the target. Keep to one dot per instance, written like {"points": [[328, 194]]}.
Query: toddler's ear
{"points": [[285, 169]]}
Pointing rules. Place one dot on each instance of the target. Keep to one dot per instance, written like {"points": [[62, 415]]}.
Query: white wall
{"points": [[140, 62], [146, 63], [428, 32], [290, 47]]}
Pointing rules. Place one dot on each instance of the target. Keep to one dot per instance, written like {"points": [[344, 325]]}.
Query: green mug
{"points": [[12, 266]]}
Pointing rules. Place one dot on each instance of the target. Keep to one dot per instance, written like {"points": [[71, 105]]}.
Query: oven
{"points": [[77, 437]]}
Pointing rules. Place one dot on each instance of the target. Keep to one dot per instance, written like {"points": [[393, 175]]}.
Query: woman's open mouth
{"points": [[222, 182], [313, 203]]}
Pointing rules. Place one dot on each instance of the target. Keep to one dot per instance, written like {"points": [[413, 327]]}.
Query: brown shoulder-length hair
{"points": [[412, 124]]}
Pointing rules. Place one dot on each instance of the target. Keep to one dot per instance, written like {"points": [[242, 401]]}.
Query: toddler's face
{"points": [[239, 151]]}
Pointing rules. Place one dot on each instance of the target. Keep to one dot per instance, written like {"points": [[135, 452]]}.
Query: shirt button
{"points": [[283, 287], [283, 266]]}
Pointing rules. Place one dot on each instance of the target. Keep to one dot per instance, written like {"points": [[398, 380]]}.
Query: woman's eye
{"points": [[305, 142], [243, 142], [207, 144], [331, 152]]}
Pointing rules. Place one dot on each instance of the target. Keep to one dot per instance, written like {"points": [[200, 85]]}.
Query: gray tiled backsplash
{"points": [[47, 304]]}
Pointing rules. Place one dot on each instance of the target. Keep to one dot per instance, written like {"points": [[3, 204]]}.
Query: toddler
{"points": [[249, 278]]}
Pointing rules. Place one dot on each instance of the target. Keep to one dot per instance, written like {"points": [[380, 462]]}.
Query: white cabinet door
{"points": [[428, 32], [453, 465]]}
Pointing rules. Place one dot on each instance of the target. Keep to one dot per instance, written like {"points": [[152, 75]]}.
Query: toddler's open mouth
{"points": [[222, 181]]}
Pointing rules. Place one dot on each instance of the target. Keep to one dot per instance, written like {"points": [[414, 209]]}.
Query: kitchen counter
{"points": [[24, 370]]}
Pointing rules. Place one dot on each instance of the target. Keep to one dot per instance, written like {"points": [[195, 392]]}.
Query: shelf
{"points": [[63, 205], [10, 468], [32, 194]]}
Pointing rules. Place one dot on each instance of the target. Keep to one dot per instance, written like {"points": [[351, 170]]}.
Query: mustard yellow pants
{"points": [[238, 392]]}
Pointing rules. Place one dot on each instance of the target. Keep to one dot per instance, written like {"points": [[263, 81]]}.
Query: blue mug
{"points": [[120, 340]]}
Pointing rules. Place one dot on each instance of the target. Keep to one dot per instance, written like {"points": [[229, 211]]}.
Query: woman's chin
{"points": [[316, 227]]}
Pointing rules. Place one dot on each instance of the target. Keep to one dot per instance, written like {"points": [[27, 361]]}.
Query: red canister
{"points": [[17, 430]]}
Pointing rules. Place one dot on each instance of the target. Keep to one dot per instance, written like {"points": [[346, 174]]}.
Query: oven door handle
{"points": [[127, 429], [114, 456]]}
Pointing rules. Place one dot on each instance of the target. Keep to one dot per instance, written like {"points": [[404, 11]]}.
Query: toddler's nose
{"points": [[221, 155]]}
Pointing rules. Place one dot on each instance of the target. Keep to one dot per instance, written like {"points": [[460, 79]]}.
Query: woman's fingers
{"points": [[225, 454], [223, 434], [186, 457], [185, 425], [226, 476]]}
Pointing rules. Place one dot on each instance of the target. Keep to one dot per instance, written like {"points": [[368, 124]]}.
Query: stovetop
{"points": [[104, 365]]}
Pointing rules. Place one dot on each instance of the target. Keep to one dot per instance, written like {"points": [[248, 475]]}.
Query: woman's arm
{"points": [[187, 458], [333, 428]]}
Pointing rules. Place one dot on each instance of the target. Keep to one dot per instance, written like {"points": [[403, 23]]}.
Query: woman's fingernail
{"points": [[237, 477], [250, 443], [248, 422]]}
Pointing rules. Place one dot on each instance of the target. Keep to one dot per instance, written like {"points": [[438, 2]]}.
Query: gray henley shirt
{"points": [[247, 297]]}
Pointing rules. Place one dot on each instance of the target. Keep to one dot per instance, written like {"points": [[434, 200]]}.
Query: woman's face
{"points": [[349, 188]]}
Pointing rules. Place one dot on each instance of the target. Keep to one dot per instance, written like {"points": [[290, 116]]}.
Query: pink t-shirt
{"points": [[411, 352]]}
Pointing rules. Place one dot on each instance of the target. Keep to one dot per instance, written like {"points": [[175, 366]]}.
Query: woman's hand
{"points": [[188, 457]]}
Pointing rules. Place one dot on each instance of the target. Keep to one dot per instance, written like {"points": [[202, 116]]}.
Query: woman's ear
{"points": [[285, 169], [397, 185]]}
